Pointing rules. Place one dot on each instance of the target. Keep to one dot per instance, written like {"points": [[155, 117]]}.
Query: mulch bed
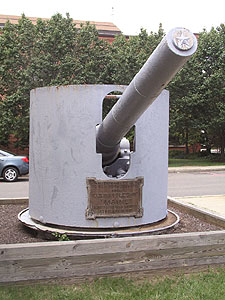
{"points": [[12, 230]]}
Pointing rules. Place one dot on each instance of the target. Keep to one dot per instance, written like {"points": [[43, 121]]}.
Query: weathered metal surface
{"points": [[183, 39], [167, 59], [47, 230], [63, 154], [113, 198]]}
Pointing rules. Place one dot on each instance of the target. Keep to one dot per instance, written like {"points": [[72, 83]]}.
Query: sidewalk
{"points": [[212, 203]]}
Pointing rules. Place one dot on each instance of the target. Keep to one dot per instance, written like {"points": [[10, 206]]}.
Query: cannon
{"points": [[168, 58], [84, 179]]}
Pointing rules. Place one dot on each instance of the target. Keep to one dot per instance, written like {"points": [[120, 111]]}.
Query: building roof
{"points": [[103, 28]]}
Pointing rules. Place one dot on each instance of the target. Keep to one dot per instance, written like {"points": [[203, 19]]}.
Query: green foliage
{"points": [[184, 109], [211, 91], [198, 94], [53, 52], [176, 154], [129, 55], [61, 237], [16, 47]]}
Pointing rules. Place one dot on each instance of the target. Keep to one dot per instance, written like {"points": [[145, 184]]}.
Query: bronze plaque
{"points": [[114, 198]]}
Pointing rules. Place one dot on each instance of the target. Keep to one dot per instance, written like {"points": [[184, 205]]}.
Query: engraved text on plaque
{"points": [[114, 198]]}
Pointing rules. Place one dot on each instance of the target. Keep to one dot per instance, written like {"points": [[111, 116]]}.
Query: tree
{"points": [[53, 52], [184, 109], [211, 91], [197, 102], [129, 54], [16, 48]]}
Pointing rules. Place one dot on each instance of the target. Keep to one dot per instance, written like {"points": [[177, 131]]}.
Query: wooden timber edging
{"points": [[84, 259], [115, 256], [14, 201]]}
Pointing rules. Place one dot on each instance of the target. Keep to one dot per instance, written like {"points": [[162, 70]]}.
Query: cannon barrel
{"points": [[167, 59]]}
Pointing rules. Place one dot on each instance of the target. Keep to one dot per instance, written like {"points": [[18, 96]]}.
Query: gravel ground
{"points": [[12, 231]]}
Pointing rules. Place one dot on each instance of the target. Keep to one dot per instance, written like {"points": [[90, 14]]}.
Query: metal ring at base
{"points": [[81, 233]]}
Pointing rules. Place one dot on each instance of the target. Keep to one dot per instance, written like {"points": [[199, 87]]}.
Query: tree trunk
{"points": [[222, 146], [186, 141]]}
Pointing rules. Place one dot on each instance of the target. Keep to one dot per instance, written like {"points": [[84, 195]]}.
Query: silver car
{"points": [[12, 166]]}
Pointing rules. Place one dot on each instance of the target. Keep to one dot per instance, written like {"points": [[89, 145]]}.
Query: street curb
{"points": [[195, 169], [200, 213]]}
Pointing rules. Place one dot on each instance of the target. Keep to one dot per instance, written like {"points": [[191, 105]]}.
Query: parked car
{"points": [[12, 166]]}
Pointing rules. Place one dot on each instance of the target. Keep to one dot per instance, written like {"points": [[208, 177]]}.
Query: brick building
{"points": [[106, 30]]}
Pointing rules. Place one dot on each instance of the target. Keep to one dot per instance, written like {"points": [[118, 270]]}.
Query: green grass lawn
{"points": [[208, 286], [179, 159], [180, 162]]}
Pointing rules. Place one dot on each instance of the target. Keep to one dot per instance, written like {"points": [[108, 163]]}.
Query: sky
{"points": [[128, 15]]}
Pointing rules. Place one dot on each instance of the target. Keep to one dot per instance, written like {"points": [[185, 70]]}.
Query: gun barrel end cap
{"points": [[183, 39]]}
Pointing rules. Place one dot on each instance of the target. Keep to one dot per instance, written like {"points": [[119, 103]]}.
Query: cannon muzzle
{"points": [[167, 59]]}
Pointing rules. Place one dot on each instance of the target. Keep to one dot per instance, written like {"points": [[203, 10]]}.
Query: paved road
{"points": [[14, 189], [180, 184], [196, 183]]}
